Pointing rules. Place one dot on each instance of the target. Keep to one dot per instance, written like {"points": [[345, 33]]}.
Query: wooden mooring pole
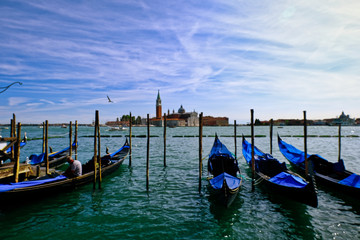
{"points": [[147, 153], [17, 154], [13, 133], [76, 139], [305, 146], [99, 148], [235, 139], [95, 149], [70, 138], [339, 142], [130, 133], [164, 140], [252, 150], [271, 135], [200, 148], [47, 146], [43, 143]]}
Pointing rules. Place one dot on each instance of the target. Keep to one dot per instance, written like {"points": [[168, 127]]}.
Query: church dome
{"points": [[181, 110]]}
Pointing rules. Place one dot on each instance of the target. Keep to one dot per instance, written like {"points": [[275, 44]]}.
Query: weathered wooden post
{"points": [[305, 146], [165, 140], [147, 153], [130, 133], [200, 148], [13, 134], [339, 142], [252, 150], [17, 154], [99, 148], [271, 135], [95, 150], [47, 146], [235, 139], [43, 143], [76, 139], [70, 138]]}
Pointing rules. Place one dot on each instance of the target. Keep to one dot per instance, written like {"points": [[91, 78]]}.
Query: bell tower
{"points": [[158, 106]]}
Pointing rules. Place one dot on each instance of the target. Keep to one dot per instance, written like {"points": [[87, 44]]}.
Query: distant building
{"points": [[344, 120], [181, 118], [157, 121], [215, 121], [117, 123]]}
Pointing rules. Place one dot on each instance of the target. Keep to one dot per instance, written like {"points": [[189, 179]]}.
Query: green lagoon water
{"points": [[173, 207]]}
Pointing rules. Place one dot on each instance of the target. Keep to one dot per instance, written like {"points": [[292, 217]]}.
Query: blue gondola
{"points": [[56, 159], [223, 168], [333, 175], [57, 183], [278, 178]]}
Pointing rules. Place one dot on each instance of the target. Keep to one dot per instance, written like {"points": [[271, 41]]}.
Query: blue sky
{"points": [[221, 58]]}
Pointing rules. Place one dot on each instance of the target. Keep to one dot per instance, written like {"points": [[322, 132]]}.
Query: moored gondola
{"points": [[223, 168], [278, 178], [333, 175], [5, 148], [57, 183], [56, 159]]}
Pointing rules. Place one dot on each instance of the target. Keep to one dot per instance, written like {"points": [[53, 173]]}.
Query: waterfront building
{"points": [[215, 121], [344, 120], [181, 118]]}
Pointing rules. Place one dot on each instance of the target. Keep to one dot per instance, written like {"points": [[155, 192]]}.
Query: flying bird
{"points": [[6, 88], [109, 99]]}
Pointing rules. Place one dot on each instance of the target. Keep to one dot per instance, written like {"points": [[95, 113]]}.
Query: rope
{"points": [[257, 182]]}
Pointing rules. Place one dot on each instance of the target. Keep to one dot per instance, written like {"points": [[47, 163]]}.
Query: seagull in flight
{"points": [[109, 99]]}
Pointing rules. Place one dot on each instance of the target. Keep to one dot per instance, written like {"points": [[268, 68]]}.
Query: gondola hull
{"points": [[301, 191], [331, 175], [64, 184], [307, 195], [225, 193], [331, 183], [224, 185]]}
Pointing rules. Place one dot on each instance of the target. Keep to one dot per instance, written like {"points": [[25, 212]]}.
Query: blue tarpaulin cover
{"points": [[247, 151], [231, 181], [11, 186], [21, 145], [293, 154], [288, 180], [219, 149], [352, 180], [36, 159]]}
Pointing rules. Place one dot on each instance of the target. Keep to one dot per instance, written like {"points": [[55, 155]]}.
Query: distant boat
{"points": [[277, 178], [118, 128], [223, 168], [333, 175], [63, 126]]}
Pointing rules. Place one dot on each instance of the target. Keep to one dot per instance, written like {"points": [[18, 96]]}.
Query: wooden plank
{"points": [[7, 170], [8, 139]]}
